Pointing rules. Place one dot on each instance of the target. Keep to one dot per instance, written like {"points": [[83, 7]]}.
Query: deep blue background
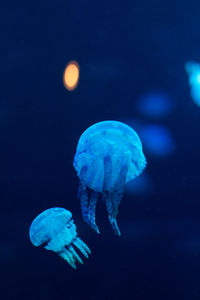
{"points": [[124, 48]]}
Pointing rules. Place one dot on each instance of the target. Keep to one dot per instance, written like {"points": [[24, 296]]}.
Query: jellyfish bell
{"points": [[108, 155]]}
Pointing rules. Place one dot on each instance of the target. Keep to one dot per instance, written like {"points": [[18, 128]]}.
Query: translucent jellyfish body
{"points": [[108, 155], [193, 70], [56, 230]]}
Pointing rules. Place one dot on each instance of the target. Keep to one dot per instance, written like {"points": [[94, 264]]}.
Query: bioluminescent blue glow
{"points": [[157, 140], [154, 105], [109, 154], [140, 186], [56, 230], [193, 71]]}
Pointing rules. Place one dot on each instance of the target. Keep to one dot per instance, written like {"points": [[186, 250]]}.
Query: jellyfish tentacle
{"points": [[83, 194], [87, 207], [81, 242], [82, 182], [84, 205], [75, 255], [111, 213], [82, 247], [119, 188], [91, 211], [113, 199], [67, 255]]}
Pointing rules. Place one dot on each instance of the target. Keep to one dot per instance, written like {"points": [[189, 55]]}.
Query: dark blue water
{"points": [[124, 49]]}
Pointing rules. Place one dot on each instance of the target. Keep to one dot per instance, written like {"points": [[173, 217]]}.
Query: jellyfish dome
{"points": [[55, 229], [109, 154]]}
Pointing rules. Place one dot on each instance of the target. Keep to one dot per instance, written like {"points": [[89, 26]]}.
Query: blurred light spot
{"points": [[140, 186], [193, 71], [154, 104], [71, 75], [157, 140]]}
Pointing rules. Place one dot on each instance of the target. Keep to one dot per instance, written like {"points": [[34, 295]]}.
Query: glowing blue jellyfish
{"points": [[108, 155], [193, 71], [55, 229]]}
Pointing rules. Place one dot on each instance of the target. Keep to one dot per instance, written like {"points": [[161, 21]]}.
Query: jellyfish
{"points": [[109, 154], [193, 70], [54, 228]]}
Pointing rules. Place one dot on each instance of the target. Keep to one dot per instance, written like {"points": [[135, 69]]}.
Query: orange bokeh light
{"points": [[71, 75]]}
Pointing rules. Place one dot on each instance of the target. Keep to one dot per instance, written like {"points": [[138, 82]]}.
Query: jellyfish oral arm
{"points": [[88, 207]]}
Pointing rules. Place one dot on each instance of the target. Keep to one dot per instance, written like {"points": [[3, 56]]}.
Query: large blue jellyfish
{"points": [[108, 155], [56, 230]]}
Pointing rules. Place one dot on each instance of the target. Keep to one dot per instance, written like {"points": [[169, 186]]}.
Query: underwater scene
{"points": [[100, 146]]}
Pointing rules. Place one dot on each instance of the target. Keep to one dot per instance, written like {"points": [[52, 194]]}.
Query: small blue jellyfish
{"points": [[55, 229], [108, 155]]}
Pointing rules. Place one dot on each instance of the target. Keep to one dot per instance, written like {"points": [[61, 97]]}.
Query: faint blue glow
{"points": [[193, 71], [154, 105], [157, 140], [140, 186]]}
